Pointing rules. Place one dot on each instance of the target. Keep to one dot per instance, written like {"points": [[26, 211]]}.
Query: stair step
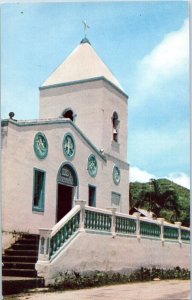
{"points": [[19, 272], [30, 236], [18, 265], [27, 241], [19, 260], [17, 285], [21, 252], [11, 258], [19, 246]]}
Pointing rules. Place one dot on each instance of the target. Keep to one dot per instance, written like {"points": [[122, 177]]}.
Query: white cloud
{"points": [[168, 60], [139, 175], [136, 174], [180, 178]]}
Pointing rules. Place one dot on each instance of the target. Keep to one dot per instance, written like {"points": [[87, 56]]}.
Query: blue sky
{"points": [[145, 44]]}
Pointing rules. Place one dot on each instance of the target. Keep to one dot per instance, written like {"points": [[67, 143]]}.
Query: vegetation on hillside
{"points": [[164, 197]]}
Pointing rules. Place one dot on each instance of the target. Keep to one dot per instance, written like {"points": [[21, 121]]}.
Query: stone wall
{"points": [[89, 252]]}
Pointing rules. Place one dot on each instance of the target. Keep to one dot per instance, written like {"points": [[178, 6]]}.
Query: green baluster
{"points": [[101, 216], [151, 229], [123, 225], [104, 222], [126, 226], [116, 224], [145, 226], [76, 222], [58, 240], [54, 245], [66, 232], [101, 221], [130, 226], [62, 236], [147, 229], [94, 220], [97, 221], [142, 227], [107, 223], [72, 226], [156, 230], [110, 222], [51, 247], [88, 219], [120, 225]]}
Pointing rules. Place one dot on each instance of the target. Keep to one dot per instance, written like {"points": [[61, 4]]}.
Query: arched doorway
{"points": [[67, 183]]}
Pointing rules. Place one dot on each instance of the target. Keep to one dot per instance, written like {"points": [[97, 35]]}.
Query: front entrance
{"points": [[66, 188], [64, 200]]}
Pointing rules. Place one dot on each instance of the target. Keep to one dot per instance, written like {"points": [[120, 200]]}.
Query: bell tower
{"points": [[84, 90]]}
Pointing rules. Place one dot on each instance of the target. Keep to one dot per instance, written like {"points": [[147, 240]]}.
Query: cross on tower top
{"points": [[86, 26]]}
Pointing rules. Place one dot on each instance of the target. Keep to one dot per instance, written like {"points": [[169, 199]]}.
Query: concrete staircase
{"points": [[19, 260]]}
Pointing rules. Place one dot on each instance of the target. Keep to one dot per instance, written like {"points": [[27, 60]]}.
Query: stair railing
{"points": [[53, 240], [109, 221]]}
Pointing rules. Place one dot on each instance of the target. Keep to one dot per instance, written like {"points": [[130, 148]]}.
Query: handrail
{"points": [[99, 210], [65, 219]]}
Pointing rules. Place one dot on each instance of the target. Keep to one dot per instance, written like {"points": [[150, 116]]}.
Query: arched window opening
{"points": [[68, 114], [115, 121]]}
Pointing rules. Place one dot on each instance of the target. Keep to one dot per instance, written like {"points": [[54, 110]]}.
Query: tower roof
{"points": [[82, 64]]}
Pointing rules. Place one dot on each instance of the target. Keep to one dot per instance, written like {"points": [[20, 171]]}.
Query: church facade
{"points": [[76, 150]]}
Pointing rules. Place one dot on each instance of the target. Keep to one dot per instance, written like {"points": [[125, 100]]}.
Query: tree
{"points": [[162, 204]]}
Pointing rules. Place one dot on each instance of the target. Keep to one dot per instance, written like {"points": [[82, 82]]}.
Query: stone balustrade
{"points": [[85, 218]]}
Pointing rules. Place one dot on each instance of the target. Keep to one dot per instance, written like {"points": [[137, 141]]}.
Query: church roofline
{"points": [[84, 81], [24, 123]]}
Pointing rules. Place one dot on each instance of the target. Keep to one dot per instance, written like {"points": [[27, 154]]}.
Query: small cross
{"points": [[86, 26]]}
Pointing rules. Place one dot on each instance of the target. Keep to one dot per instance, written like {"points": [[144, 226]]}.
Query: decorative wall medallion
{"points": [[116, 175], [92, 165], [68, 146], [40, 145]]}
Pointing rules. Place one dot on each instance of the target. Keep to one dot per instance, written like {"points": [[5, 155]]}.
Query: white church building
{"points": [[65, 182]]}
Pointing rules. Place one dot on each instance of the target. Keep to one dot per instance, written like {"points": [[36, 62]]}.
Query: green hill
{"points": [[138, 190]]}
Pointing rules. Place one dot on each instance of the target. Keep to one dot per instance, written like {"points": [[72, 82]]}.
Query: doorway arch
{"points": [[67, 187]]}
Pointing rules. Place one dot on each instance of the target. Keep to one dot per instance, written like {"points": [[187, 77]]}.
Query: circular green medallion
{"points": [[116, 175], [92, 165], [68, 146], [40, 145]]}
